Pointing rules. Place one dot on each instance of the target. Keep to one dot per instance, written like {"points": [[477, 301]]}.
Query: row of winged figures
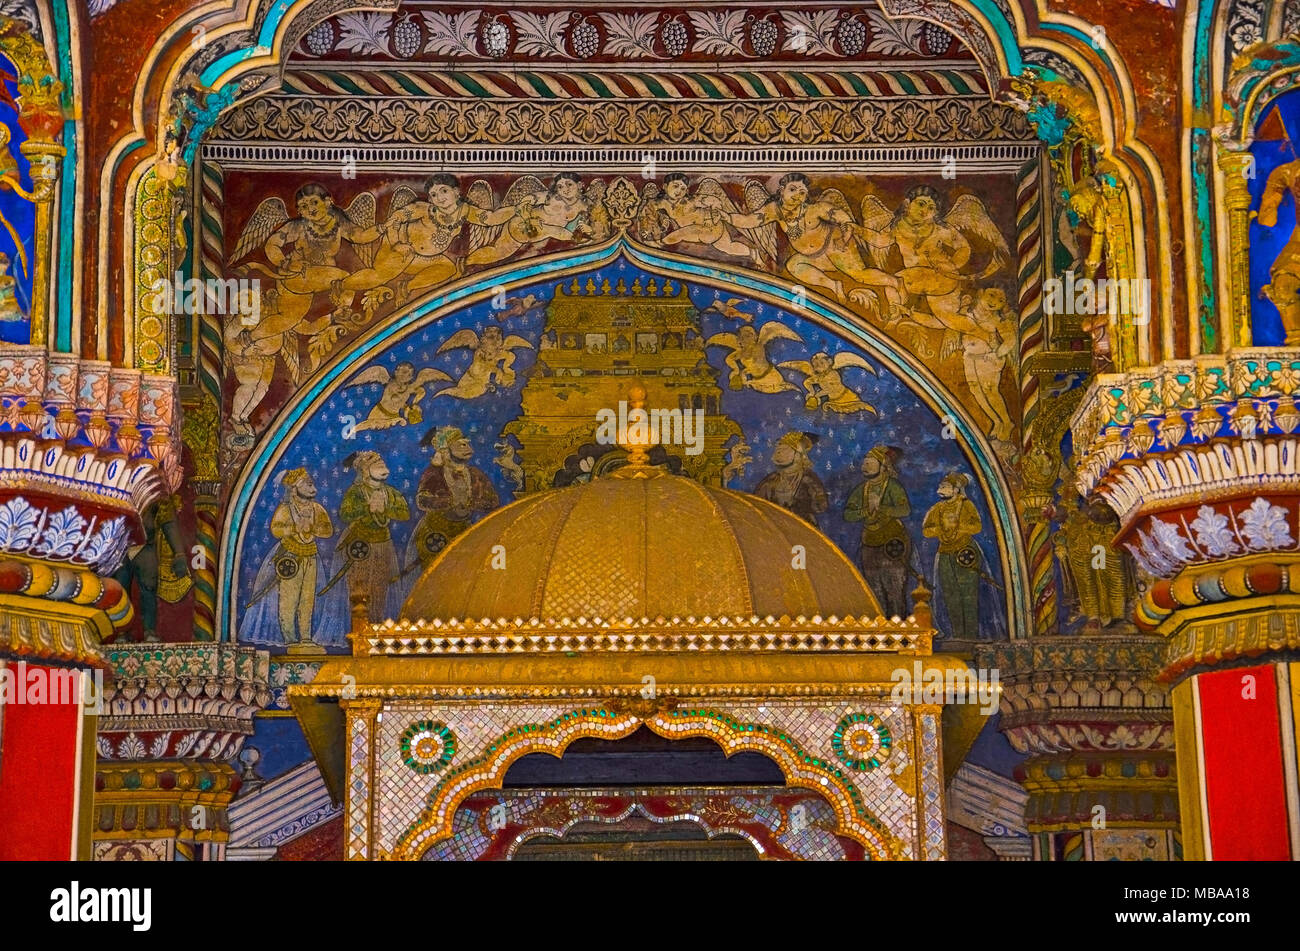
{"points": [[918, 264], [429, 238]]}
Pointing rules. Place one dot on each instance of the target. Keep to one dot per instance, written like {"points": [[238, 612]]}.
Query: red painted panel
{"points": [[38, 781], [1244, 786]]}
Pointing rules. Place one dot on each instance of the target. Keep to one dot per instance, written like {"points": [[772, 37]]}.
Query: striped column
{"points": [[204, 569], [211, 243], [1029, 257]]}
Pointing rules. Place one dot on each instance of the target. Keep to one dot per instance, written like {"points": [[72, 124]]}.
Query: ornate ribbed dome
{"points": [[654, 546]]}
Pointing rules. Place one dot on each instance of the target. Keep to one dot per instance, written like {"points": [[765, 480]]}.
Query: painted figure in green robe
{"points": [[369, 506], [954, 521], [880, 504]]}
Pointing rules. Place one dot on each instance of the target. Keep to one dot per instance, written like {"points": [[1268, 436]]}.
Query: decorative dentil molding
{"points": [[181, 701], [1216, 426]]}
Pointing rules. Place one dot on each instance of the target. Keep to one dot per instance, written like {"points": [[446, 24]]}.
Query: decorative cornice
{"points": [[704, 635], [1214, 427], [635, 36], [34, 629], [181, 700], [1066, 694], [103, 434], [1215, 634], [388, 122]]}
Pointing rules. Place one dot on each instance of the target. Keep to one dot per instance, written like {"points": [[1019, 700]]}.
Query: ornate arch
{"points": [[799, 767], [42, 102], [241, 55], [261, 462], [1246, 55]]}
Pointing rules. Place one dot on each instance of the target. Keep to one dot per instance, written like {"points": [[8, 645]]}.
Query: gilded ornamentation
{"points": [[156, 258], [351, 120], [1068, 121]]}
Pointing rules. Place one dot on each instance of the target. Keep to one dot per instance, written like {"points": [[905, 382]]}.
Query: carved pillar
{"points": [[358, 830], [1099, 732], [1198, 459], [45, 158], [1236, 167]]}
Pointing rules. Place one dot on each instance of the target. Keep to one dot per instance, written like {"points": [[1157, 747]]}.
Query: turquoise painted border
{"points": [[68, 187], [265, 42], [258, 467], [1006, 34]]}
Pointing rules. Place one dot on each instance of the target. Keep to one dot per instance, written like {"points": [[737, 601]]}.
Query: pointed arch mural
{"points": [[517, 363]]}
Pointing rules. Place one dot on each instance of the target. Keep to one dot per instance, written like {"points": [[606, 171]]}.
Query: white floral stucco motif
{"points": [[1265, 526]]}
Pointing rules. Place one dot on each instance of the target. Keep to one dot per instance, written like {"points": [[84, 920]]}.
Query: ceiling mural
{"points": [[977, 311]]}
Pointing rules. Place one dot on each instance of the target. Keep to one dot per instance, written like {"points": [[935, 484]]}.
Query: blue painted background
{"points": [[903, 421], [1265, 243], [22, 215]]}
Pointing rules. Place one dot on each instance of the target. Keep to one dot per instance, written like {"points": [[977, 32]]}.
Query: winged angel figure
{"points": [[563, 212], [418, 249], [403, 391], [825, 386], [674, 216], [824, 235], [491, 367], [936, 251], [303, 254], [748, 360]]}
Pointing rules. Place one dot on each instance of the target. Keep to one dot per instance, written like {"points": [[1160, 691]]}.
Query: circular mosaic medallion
{"points": [[427, 746], [861, 741]]}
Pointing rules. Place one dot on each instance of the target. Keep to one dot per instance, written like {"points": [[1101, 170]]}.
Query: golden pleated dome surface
{"points": [[619, 547]]}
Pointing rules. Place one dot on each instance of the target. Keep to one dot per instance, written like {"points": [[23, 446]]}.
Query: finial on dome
{"points": [[636, 437]]}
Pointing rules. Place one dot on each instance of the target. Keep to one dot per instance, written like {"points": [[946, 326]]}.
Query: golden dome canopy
{"points": [[627, 547]]}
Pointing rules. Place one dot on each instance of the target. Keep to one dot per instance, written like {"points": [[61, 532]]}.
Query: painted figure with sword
{"points": [[959, 567], [284, 608]]}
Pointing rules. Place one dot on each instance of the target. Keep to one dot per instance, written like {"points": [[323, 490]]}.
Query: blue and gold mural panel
{"points": [[454, 416]]}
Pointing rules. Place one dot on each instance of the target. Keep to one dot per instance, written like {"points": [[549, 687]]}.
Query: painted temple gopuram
{"points": [[705, 432]]}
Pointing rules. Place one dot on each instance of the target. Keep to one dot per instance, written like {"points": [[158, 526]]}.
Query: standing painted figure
{"points": [[158, 567], [954, 521], [880, 504], [370, 563]]}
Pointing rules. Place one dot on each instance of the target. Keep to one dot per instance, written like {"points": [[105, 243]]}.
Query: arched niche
{"points": [[912, 409]]}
